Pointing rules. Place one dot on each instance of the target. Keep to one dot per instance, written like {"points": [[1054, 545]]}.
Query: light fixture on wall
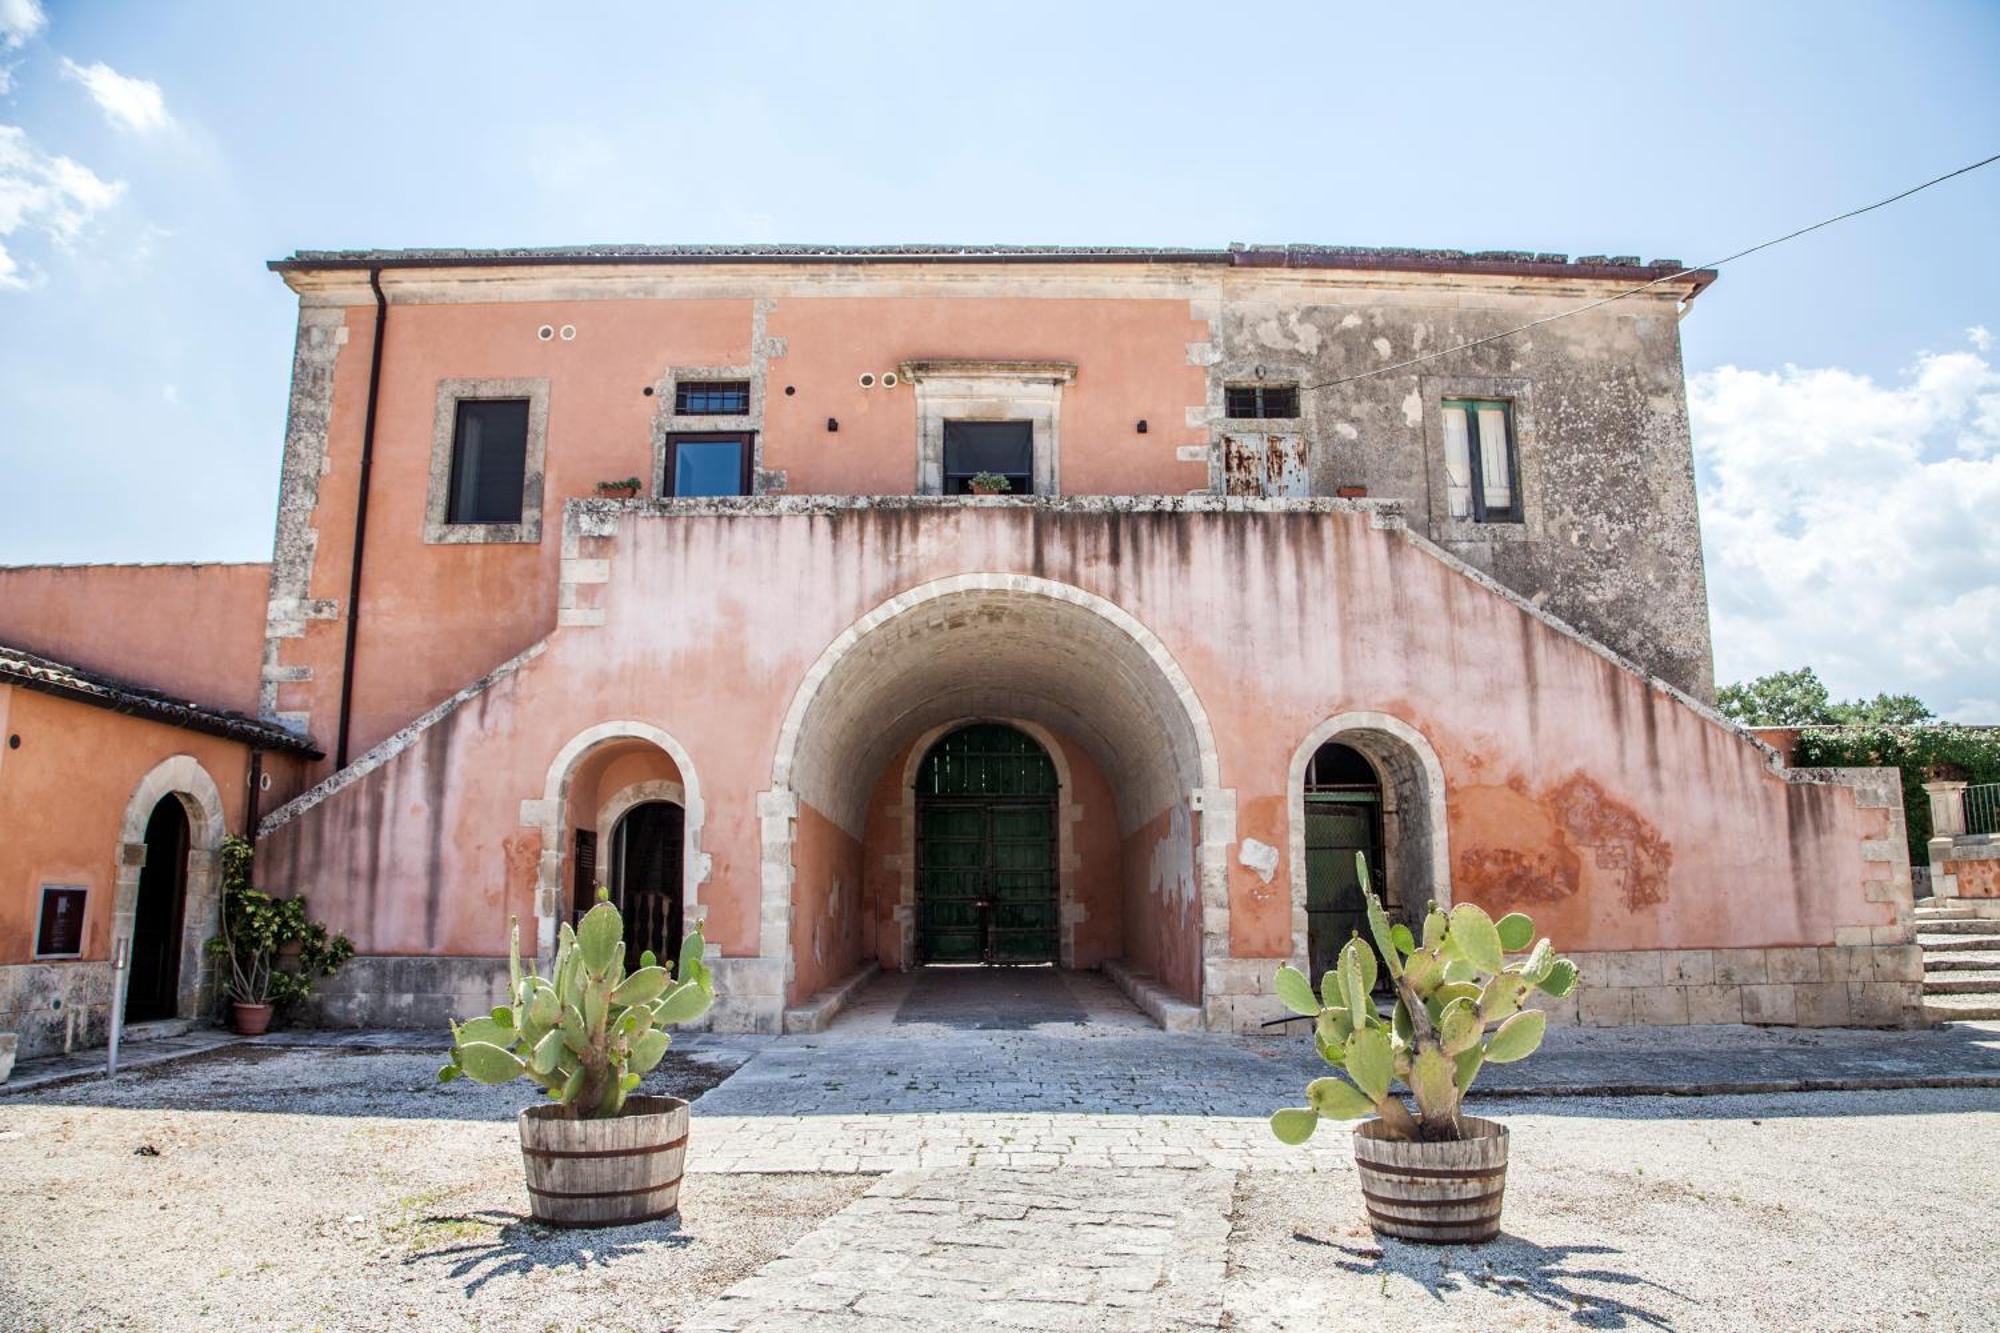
{"points": [[831, 425], [1142, 425]]}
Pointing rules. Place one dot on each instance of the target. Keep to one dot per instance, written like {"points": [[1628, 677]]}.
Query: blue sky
{"points": [[1846, 403]]}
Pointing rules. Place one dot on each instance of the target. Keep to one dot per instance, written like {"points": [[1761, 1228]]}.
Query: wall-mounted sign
{"points": [[60, 932]]}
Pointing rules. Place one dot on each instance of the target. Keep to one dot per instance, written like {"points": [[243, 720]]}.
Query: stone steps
{"points": [[1962, 982], [1947, 961], [1966, 943], [1956, 925], [1961, 944], [1962, 1008]]}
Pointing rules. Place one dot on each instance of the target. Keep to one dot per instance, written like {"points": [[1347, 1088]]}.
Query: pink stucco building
{"points": [[1267, 586]]}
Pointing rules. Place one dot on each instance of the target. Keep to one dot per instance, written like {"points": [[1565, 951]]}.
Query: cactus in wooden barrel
{"points": [[1460, 992], [588, 1032]]}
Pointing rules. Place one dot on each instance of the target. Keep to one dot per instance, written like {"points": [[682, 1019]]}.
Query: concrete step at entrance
{"points": [[1958, 962], [1963, 983], [1961, 1008], [1972, 943], [1957, 925], [156, 1029], [1941, 912]]}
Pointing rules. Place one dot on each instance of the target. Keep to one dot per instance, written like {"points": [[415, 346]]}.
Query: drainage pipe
{"points": [[361, 517]]}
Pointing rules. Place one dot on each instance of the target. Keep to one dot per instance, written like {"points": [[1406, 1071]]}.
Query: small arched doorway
{"points": [[648, 844], [1343, 816], [987, 891], [152, 986]]}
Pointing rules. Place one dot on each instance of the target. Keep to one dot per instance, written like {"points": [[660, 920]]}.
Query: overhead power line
{"points": [[1648, 286]]}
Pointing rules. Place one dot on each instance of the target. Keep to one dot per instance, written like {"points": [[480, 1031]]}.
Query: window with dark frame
{"points": [[973, 447], [1261, 402], [489, 461], [712, 398], [707, 464], [1482, 479]]}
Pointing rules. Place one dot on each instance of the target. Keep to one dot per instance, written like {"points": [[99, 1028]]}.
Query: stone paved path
{"points": [[1119, 1251], [1046, 1173]]}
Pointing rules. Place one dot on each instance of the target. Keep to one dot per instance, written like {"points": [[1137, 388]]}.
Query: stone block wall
{"points": [[56, 1007], [1864, 985], [407, 992]]}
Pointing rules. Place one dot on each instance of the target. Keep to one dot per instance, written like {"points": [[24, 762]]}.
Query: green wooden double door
{"points": [[986, 850]]}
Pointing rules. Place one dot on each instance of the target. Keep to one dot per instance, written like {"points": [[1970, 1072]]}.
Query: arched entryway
{"points": [[986, 849], [644, 876], [166, 901], [1070, 670], [152, 987], [594, 781], [1366, 782], [1343, 819]]}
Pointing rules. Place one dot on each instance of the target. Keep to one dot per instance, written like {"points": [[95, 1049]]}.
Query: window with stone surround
{"points": [[1480, 472], [1261, 402], [487, 448], [712, 398], [707, 463]]}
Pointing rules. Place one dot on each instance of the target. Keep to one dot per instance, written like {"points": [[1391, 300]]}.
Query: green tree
{"points": [[1780, 699], [1884, 710]]}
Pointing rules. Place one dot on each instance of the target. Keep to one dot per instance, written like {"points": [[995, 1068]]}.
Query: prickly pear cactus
{"points": [[1451, 987], [588, 1033]]}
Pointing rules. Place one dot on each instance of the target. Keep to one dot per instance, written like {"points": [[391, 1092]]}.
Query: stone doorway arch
{"points": [[1002, 646], [183, 779], [1416, 851]]}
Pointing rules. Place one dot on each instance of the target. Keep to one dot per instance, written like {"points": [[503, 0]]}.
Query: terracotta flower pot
{"points": [[617, 492], [605, 1173], [1351, 492], [249, 1020], [1436, 1193]]}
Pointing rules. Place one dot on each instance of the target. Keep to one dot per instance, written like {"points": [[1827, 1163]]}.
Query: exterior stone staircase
{"points": [[1961, 944]]}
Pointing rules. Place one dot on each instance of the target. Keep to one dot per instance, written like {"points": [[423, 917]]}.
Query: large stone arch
{"points": [[1416, 837], [183, 778], [547, 817], [1001, 646]]}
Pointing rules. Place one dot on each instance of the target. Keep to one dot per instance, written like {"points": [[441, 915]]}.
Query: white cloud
{"points": [[20, 20], [128, 103], [1981, 336], [1851, 525], [44, 193]]}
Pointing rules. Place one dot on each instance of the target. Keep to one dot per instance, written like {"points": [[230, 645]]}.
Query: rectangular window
{"points": [[1261, 402], [489, 461], [1480, 481], [712, 398], [973, 447], [707, 465], [59, 929]]}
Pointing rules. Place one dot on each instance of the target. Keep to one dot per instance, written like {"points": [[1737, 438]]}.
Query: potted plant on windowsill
{"points": [[989, 483], [596, 1156], [1437, 1176], [618, 490], [271, 952]]}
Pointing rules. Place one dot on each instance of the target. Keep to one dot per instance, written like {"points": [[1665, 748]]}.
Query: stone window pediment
{"points": [[988, 390]]}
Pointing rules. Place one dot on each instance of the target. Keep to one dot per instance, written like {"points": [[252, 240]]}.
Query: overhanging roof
{"points": [[1508, 263], [46, 676]]}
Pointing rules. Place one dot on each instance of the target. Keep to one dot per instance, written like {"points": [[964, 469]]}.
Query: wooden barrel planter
{"points": [[1436, 1193], [605, 1173]]}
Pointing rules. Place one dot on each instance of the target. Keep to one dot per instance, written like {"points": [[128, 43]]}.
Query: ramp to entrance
{"points": [[990, 999]]}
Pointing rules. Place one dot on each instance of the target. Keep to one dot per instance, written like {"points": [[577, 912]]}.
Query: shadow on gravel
{"points": [[523, 1246], [1545, 1274]]}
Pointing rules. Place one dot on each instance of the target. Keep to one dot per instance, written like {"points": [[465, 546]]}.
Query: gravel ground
{"points": [[1809, 1211], [325, 1189], [338, 1191]]}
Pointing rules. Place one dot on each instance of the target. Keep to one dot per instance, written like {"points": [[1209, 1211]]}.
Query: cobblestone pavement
{"points": [[1103, 1175], [1081, 1249]]}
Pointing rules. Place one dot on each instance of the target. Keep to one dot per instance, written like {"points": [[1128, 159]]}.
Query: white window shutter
{"points": [[1457, 463]]}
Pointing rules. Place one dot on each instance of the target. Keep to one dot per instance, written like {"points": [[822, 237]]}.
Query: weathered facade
{"points": [[115, 796], [1268, 587]]}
